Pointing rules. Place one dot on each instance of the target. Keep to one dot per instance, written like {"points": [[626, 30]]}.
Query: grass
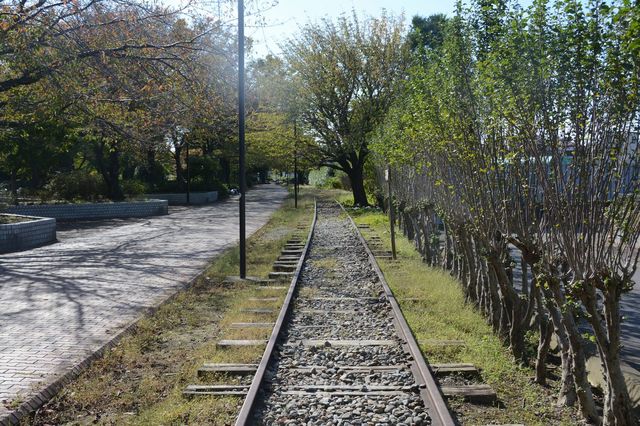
{"points": [[140, 381], [437, 310]]}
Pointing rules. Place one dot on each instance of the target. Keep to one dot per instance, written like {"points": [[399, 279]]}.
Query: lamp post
{"points": [[241, 147], [295, 164], [188, 174]]}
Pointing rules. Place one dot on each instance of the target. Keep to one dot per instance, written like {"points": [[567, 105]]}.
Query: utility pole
{"points": [[188, 174], [391, 213], [295, 164], [242, 178]]}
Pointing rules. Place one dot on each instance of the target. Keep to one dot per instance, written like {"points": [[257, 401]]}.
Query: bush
{"points": [[76, 185], [133, 188], [318, 177], [328, 178], [334, 182]]}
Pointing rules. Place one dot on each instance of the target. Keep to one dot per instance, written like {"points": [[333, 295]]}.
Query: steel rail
{"points": [[435, 402], [246, 411]]}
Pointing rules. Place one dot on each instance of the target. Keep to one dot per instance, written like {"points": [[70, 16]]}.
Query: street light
{"points": [[243, 184], [295, 164]]}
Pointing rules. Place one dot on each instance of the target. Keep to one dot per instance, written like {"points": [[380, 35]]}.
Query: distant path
{"points": [[630, 308], [61, 302]]}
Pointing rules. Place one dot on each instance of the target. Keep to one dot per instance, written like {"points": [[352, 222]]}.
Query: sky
{"points": [[282, 20]]}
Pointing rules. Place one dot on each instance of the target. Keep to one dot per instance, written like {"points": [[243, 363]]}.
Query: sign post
{"points": [[387, 177]]}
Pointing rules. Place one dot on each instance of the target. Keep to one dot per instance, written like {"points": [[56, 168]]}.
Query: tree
{"points": [[347, 74], [275, 130], [426, 33], [520, 130]]}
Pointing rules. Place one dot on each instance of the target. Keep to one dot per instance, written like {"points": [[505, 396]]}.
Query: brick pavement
{"points": [[60, 303]]}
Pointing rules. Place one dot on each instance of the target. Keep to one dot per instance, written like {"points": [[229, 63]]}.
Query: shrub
{"points": [[133, 188], [76, 185]]}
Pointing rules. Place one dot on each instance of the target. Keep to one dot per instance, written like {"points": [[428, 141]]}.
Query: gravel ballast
{"points": [[340, 361]]}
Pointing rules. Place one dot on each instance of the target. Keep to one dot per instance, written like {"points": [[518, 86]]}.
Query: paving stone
{"points": [[62, 302]]}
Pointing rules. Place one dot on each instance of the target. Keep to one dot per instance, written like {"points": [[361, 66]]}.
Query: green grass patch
{"points": [[140, 381]]}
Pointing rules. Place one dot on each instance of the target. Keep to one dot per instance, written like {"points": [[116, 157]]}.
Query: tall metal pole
{"points": [[295, 164], [242, 178], [188, 175], [392, 218]]}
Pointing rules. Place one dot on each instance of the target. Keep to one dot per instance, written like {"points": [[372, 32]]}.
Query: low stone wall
{"points": [[181, 198], [90, 211], [26, 235]]}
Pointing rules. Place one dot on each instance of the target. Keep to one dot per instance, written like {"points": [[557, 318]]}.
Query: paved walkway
{"points": [[630, 307], [61, 302]]}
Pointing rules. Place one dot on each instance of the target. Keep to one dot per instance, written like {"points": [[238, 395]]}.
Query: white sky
{"points": [[283, 20], [280, 19]]}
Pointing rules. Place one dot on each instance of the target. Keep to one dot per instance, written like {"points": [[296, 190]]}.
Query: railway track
{"points": [[341, 352]]}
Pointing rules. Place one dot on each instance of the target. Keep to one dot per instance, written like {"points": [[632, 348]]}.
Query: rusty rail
{"points": [[430, 392], [246, 411]]}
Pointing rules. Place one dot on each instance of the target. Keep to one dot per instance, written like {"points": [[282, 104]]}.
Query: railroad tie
{"points": [[288, 258], [477, 394], [280, 275], [247, 280], [252, 324], [201, 390], [351, 388], [330, 342], [234, 343], [291, 252], [284, 267], [263, 299], [258, 311], [456, 368], [352, 368], [234, 369]]}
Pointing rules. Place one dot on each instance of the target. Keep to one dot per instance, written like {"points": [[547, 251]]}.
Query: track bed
{"points": [[342, 357]]}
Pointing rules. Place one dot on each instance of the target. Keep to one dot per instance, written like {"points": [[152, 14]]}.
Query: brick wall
{"points": [[88, 211], [26, 235]]}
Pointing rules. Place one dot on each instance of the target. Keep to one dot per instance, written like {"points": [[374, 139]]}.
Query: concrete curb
{"points": [[93, 211], [26, 235]]}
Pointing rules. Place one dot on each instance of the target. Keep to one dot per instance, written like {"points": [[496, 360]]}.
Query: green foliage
{"points": [[327, 178], [426, 33], [75, 186], [347, 73], [318, 177], [133, 188]]}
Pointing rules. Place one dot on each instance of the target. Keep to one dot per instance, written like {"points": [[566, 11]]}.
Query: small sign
{"points": [[386, 175]]}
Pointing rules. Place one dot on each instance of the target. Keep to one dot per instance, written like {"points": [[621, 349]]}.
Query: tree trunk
{"points": [[356, 177], [225, 167], [578, 364], [110, 170], [14, 185], [617, 405], [567, 395], [177, 158], [546, 331]]}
